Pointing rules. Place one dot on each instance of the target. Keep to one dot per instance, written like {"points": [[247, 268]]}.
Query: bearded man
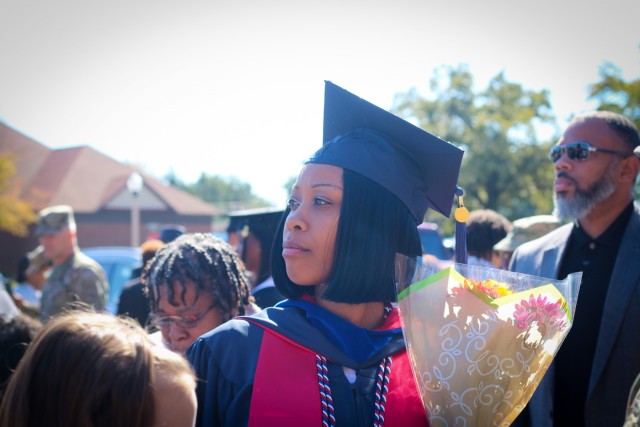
{"points": [[588, 382]]}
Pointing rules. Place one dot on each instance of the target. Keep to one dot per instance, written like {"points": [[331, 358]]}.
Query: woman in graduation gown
{"points": [[333, 353]]}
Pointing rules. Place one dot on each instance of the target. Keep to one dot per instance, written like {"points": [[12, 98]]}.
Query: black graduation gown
{"points": [[267, 297]]}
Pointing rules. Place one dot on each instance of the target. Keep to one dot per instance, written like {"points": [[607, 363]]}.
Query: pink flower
{"points": [[548, 315]]}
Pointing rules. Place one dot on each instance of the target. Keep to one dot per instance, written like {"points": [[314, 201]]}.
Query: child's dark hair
{"points": [[485, 228], [374, 225], [209, 262]]}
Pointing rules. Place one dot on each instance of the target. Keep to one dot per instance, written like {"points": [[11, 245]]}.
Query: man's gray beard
{"points": [[584, 200]]}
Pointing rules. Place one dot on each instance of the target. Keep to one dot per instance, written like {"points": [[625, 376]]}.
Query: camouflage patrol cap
{"points": [[526, 229], [55, 218]]}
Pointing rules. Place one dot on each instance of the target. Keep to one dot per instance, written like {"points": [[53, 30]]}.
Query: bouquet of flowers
{"points": [[480, 339]]}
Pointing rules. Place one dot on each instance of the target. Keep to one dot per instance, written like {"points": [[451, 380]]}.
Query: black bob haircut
{"points": [[374, 225]]}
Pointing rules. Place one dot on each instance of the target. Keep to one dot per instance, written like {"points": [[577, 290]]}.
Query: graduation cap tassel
{"points": [[461, 216]]}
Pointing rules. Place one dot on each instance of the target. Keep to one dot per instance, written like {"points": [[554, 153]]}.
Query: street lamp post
{"points": [[134, 184]]}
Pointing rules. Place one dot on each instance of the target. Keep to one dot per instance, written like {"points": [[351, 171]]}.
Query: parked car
{"points": [[118, 263], [432, 241]]}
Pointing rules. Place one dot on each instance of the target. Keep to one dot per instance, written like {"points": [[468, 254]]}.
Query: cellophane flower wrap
{"points": [[480, 339]]}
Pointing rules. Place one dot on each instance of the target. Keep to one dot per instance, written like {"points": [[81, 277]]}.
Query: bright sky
{"points": [[235, 87]]}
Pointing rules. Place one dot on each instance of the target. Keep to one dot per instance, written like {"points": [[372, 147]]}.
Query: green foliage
{"points": [[172, 179], [228, 194], [615, 94], [505, 167]]}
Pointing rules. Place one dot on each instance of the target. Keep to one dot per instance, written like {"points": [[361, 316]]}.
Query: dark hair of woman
{"points": [[373, 225], [209, 262]]}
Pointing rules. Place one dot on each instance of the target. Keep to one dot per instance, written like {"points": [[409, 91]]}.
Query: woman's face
{"points": [[181, 324], [310, 229]]}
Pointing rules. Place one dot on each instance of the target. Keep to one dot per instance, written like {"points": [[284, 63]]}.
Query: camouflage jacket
{"points": [[78, 279]]}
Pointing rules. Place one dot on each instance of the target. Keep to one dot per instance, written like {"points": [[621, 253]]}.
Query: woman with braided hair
{"points": [[195, 283], [333, 353]]}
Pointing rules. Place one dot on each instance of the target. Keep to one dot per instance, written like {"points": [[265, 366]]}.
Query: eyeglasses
{"points": [[580, 151], [185, 322]]}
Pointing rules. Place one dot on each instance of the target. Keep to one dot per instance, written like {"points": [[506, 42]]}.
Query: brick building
{"points": [[95, 185]]}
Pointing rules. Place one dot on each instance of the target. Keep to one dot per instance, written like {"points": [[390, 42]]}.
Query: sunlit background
{"points": [[235, 88]]}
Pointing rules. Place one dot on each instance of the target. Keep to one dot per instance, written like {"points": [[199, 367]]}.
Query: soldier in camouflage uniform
{"points": [[75, 277]]}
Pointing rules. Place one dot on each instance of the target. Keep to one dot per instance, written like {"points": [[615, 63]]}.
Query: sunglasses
{"points": [[580, 151]]}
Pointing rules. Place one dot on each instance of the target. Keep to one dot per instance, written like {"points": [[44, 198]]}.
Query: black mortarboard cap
{"points": [[419, 168], [258, 219], [169, 233]]}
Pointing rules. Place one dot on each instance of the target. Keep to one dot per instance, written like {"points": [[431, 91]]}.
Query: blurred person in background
{"points": [[97, 370], [485, 228], [195, 283], [524, 230], [75, 277], [252, 232], [16, 333], [33, 270], [8, 307], [134, 301]]}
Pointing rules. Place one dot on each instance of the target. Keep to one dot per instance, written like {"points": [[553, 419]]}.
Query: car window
{"points": [[119, 275], [118, 265]]}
